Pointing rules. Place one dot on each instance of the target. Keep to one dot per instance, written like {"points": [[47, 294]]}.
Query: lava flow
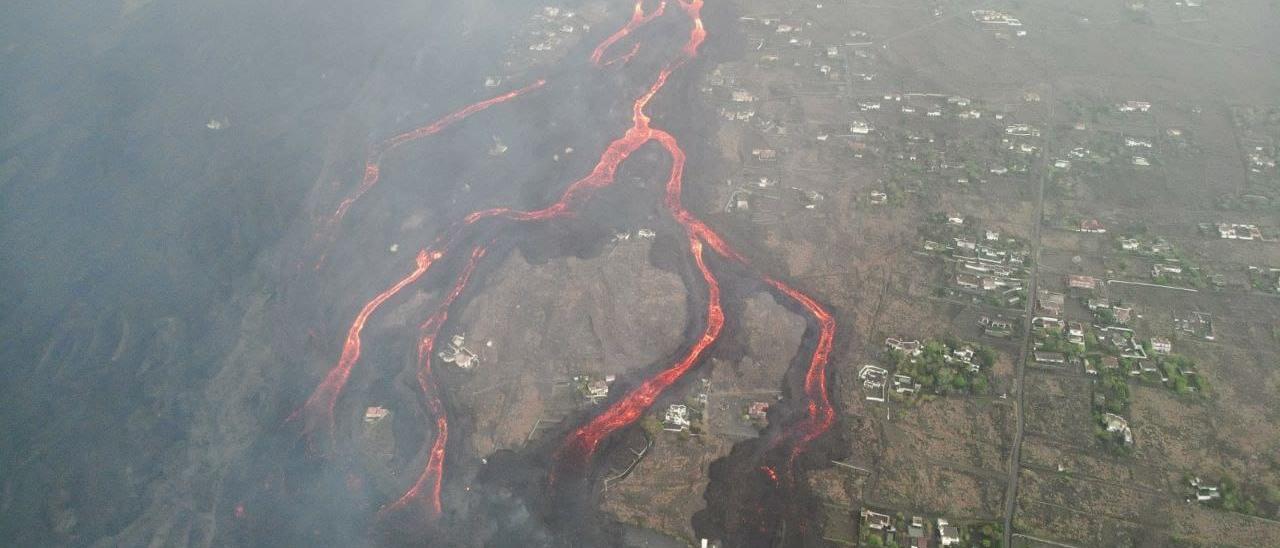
{"points": [[433, 471], [638, 19], [319, 407], [820, 415], [373, 163], [583, 442], [577, 450]]}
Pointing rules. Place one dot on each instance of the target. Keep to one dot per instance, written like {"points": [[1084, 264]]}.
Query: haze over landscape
{"points": [[640, 273]]}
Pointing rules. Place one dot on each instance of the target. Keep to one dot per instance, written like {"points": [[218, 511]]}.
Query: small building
{"points": [[1050, 302], [376, 413], [1048, 323], [1135, 106], [1123, 314], [458, 354], [910, 348], [597, 389], [877, 521], [1092, 226], [917, 534], [676, 418], [1161, 269], [1082, 282], [873, 381], [765, 154], [996, 327], [968, 281], [1203, 491], [948, 535], [758, 411], [1075, 333], [1116, 423], [1049, 358], [1238, 232], [903, 384], [1161, 345]]}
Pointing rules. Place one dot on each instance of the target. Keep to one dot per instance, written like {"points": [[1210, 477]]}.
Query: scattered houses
{"points": [[676, 419], [458, 354], [1231, 231]]}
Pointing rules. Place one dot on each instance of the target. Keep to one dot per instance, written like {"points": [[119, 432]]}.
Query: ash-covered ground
{"points": [[170, 303]]}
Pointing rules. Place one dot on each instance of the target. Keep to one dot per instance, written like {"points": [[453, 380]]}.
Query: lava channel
{"points": [[373, 162], [431, 477], [318, 410]]}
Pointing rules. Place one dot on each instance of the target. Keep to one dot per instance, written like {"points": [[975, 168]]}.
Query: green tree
{"points": [[651, 425], [979, 385]]}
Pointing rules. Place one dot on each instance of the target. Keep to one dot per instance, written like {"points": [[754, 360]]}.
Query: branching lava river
{"points": [[572, 458]]}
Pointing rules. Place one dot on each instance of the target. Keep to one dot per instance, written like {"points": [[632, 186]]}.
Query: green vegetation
{"points": [[1055, 340], [1111, 395], [940, 371], [1104, 316], [985, 535], [1262, 500], [651, 425], [1181, 375]]}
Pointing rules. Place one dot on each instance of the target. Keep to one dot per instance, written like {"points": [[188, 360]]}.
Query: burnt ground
{"points": [[206, 458]]}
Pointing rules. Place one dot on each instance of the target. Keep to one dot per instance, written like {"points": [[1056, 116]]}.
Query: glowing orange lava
{"points": [[638, 19], [373, 163], [318, 410], [579, 446], [820, 415], [770, 472], [582, 443], [432, 473]]}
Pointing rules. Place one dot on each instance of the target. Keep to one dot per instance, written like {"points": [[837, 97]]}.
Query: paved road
{"points": [[1015, 459]]}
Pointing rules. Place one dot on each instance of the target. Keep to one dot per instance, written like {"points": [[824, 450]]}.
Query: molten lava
{"points": [[432, 474], [638, 19], [318, 410], [580, 445], [577, 450], [624, 58], [373, 162], [820, 415]]}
